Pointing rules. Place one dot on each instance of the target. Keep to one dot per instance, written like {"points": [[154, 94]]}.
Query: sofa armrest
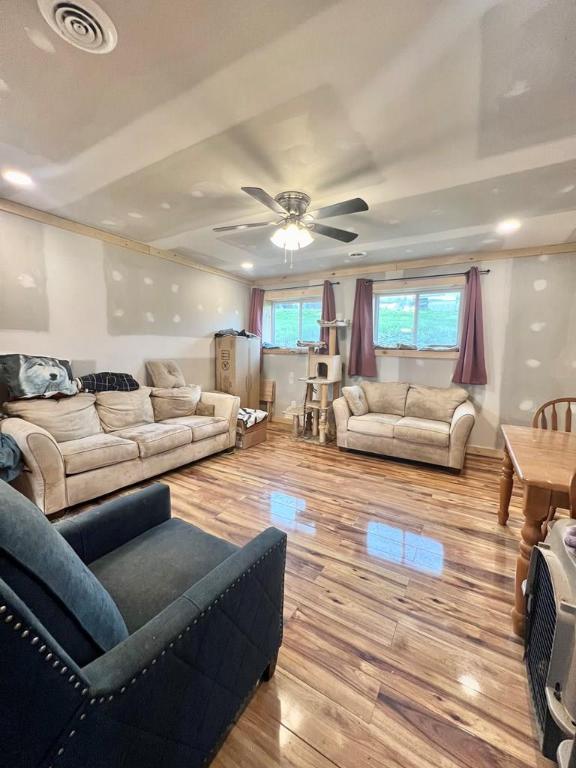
{"points": [[341, 415], [44, 479], [463, 420], [226, 407], [94, 533]]}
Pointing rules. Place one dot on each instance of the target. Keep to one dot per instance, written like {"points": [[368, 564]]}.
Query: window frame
{"points": [[416, 292], [300, 300]]}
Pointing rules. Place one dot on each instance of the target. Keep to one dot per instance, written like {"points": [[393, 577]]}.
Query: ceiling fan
{"points": [[297, 223]]}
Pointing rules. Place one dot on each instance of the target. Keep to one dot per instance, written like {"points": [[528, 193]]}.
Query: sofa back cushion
{"points": [[386, 396], [118, 410], [170, 403], [165, 373], [43, 570], [67, 418], [356, 400], [436, 403]]}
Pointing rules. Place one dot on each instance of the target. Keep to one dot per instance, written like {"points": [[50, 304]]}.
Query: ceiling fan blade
{"points": [[338, 234], [264, 198], [355, 205], [242, 226]]}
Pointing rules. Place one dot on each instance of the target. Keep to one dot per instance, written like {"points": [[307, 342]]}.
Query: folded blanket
{"points": [[106, 381], [251, 416]]}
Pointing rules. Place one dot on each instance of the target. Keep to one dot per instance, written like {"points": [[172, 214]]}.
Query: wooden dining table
{"points": [[544, 462]]}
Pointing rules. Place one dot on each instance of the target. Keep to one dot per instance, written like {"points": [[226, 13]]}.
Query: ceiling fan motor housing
{"points": [[296, 203]]}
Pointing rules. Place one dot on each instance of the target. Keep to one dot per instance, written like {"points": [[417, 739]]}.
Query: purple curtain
{"points": [[328, 313], [470, 368], [362, 356], [256, 311]]}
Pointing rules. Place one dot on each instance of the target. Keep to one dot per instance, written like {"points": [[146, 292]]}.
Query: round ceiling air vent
{"points": [[83, 24]]}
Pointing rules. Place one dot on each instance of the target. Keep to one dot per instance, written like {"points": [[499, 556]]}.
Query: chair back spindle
{"points": [[555, 412]]}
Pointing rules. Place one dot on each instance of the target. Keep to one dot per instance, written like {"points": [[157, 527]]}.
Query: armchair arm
{"points": [[463, 420], [225, 406], [99, 530], [341, 415], [44, 480]]}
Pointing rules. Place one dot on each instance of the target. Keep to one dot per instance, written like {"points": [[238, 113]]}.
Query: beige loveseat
{"points": [[427, 424], [81, 447]]}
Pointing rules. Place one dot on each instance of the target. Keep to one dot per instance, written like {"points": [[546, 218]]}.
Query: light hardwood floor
{"points": [[398, 650]]}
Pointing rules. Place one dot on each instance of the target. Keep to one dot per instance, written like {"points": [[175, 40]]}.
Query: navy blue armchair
{"points": [[129, 638]]}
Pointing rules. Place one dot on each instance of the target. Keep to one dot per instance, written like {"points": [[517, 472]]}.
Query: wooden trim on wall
{"points": [[440, 354], [417, 283], [51, 219], [476, 257], [284, 351], [300, 293]]}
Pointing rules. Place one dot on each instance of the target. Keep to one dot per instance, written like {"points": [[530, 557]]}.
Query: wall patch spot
{"points": [[4, 87], [118, 313], [26, 280], [236, 311], [135, 215], [526, 405], [531, 363], [166, 206], [176, 319], [174, 287], [117, 276], [219, 310], [150, 317], [544, 257], [540, 285], [537, 327], [148, 281], [40, 40], [200, 307]]}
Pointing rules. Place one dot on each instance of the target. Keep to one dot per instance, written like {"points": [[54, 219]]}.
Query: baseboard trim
{"points": [[482, 450]]}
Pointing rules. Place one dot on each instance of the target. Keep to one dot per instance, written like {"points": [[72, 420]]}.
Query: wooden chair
{"points": [[268, 396], [548, 414]]}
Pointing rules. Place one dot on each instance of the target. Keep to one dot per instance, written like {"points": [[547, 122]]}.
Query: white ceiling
{"points": [[445, 115]]}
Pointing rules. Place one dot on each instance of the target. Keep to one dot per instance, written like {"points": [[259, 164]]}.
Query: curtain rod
{"points": [[299, 287], [425, 277]]}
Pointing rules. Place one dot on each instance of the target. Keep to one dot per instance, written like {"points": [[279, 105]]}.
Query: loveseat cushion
{"points": [[39, 565], [154, 569], [65, 418], [171, 402], [356, 400], [436, 403], [202, 426], [96, 451], [385, 396], [423, 431], [378, 424], [152, 439], [118, 410]]}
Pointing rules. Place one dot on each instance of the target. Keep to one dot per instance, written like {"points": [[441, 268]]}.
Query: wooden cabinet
{"points": [[238, 368]]}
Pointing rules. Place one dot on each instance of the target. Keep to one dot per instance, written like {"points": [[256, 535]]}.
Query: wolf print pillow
{"points": [[28, 376]]}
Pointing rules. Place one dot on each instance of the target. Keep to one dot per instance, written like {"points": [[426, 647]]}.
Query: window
{"points": [[286, 322], [417, 320]]}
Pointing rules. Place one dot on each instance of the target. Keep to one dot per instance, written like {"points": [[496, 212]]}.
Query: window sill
{"points": [[285, 351], [438, 354]]}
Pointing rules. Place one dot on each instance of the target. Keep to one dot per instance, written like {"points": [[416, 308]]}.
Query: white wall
{"points": [[59, 297], [530, 341]]}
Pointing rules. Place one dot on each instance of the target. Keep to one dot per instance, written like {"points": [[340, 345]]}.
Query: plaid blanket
{"points": [[107, 381]]}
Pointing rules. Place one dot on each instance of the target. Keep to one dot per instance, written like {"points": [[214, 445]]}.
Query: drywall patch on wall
{"points": [[142, 299], [23, 298]]}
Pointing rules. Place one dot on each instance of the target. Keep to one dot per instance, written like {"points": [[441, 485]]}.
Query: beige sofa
{"points": [[426, 424], [81, 447]]}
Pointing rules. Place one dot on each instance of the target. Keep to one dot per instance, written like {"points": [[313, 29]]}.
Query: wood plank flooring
{"points": [[398, 649]]}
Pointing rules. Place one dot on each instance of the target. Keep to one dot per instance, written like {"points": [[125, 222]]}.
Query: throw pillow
{"points": [[118, 410], [165, 373], [173, 403], [356, 400], [203, 409], [36, 376], [436, 403], [386, 396]]}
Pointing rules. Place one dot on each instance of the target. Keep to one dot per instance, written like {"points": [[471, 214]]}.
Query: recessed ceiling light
{"points": [[508, 226], [18, 178], [135, 215], [247, 265]]}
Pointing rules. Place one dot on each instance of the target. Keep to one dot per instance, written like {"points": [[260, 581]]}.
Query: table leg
{"points": [[535, 510], [506, 482]]}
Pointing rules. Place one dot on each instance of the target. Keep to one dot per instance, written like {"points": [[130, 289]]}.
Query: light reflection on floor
{"points": [[285, 511], [396, 545]]}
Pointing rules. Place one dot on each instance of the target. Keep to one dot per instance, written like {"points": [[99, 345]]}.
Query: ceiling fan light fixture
{"points": [[292, 237]]}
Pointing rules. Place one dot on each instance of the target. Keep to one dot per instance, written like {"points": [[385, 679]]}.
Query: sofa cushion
{"points": [[39, 565], [154, 569], [202, 426], [156, 438], [379, 424], [423, 431], [356, 400], [118, 410], [66, 418], [96, 451], [165, 373], [436, 403], [385, 396], [169, 403]]}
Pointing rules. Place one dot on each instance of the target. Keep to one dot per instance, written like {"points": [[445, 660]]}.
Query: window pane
{"points": [[438, 318], [311, 311], [396, 316], [267, 323], [286, 317]]}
